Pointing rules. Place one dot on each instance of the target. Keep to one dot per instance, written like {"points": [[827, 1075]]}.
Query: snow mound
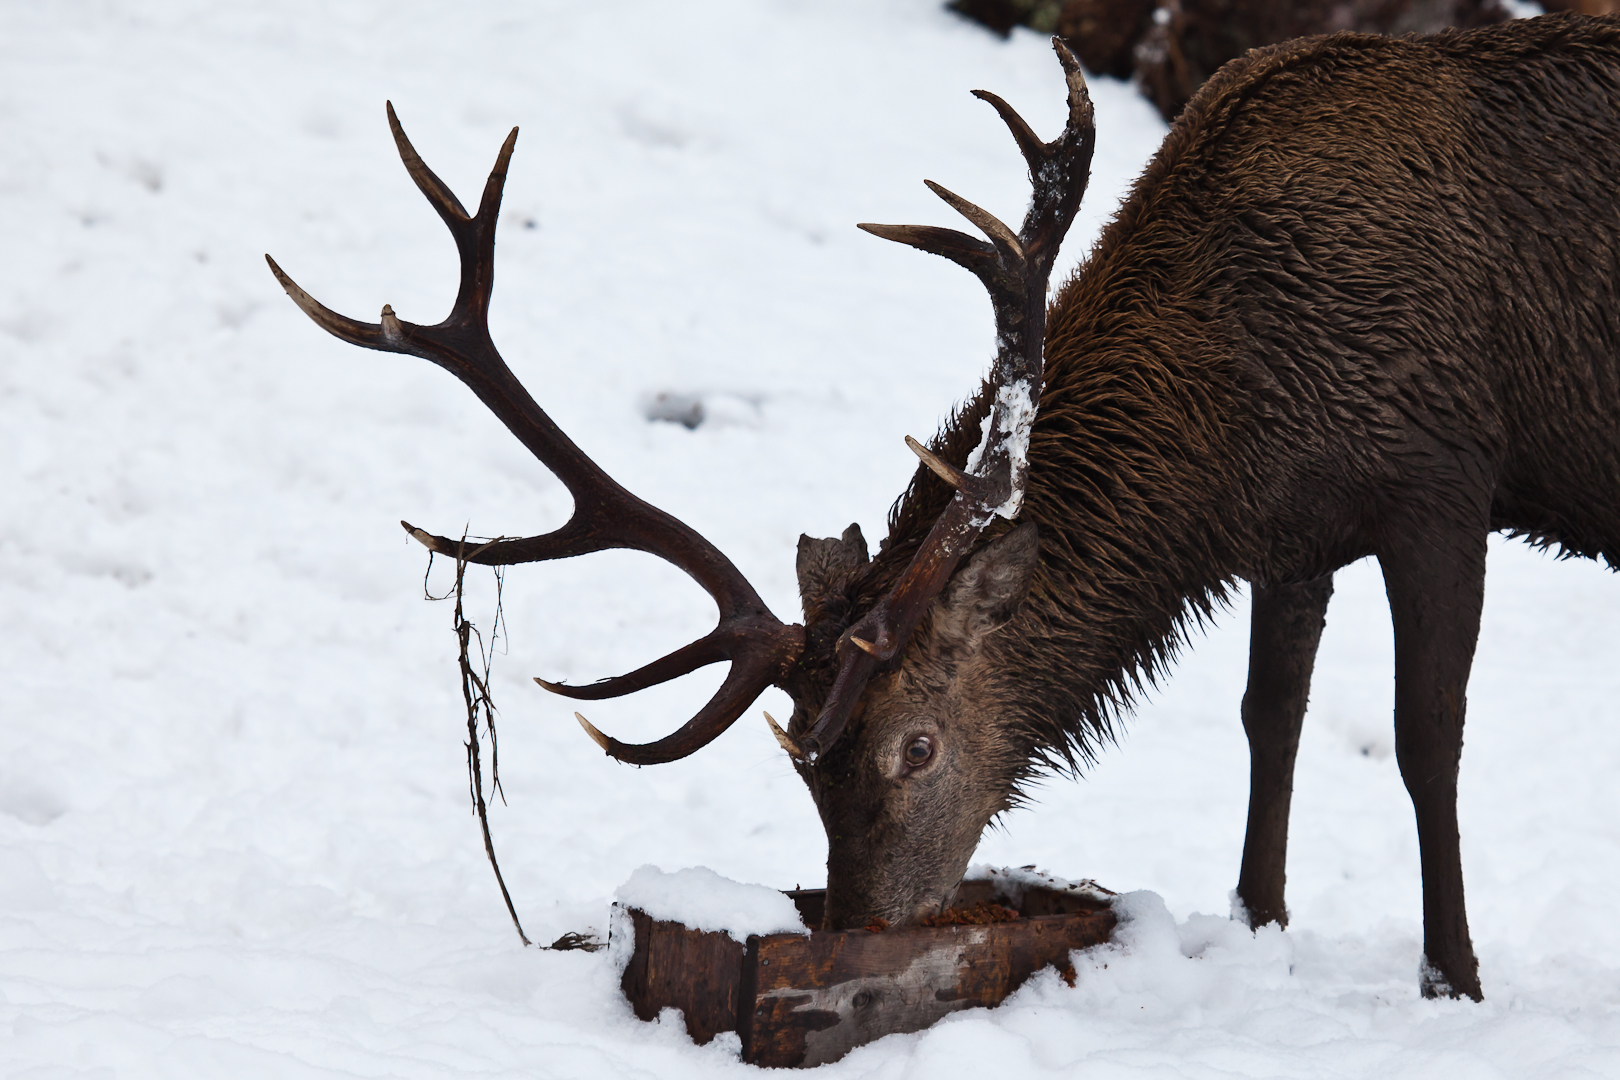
{"points": [[702, 899], [1015, 881]]}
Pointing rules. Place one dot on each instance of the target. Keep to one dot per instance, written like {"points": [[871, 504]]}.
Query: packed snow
{"points": [[1014, 413], [235, 835], [703, 900]]}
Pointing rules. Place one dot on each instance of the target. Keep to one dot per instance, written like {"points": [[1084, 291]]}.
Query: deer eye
{"points": [[919, 751]]}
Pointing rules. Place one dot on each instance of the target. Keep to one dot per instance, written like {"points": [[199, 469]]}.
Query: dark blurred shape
{"points": [[1584, 7], [1104, 33], [1002, 15], [1171, 46], [675, 408], [1193, 38]]}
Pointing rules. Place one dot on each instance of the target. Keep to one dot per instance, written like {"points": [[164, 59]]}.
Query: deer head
{"points": [[928, 757], [895, 717]]}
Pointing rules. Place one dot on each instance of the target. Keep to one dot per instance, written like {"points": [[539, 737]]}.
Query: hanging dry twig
{"points": [[475, 692]]}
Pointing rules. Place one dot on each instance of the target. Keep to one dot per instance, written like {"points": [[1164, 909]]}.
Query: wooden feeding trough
{"points": [[802, 1000]]}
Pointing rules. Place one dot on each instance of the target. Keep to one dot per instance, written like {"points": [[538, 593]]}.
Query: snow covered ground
{"points": [[234, 831]]}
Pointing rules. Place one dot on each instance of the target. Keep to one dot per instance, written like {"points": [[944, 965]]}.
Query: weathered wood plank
{"points": [[810, 1000], [698, 972]]}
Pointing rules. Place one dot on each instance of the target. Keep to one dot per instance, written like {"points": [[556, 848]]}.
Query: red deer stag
{"points": [[1364, 301]]}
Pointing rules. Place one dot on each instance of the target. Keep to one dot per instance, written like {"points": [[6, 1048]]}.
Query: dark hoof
{"points": [[1435, 984], [1254, 916]]}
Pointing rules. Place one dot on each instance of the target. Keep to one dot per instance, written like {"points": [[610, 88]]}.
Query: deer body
{"points": [[1365, 301]]}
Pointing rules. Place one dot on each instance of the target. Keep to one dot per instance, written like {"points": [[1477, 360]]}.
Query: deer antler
{"points": [[762, 650], [1014, 268]]}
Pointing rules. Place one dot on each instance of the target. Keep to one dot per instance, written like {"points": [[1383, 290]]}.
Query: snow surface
{"points": [[234, 831], [703, 900]]}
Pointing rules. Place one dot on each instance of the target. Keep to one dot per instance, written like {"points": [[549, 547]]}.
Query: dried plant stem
{"points": [[475, 692]]}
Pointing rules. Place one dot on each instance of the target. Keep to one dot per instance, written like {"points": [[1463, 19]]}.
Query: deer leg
{"points": [[1436, 583], [1285, 629]]}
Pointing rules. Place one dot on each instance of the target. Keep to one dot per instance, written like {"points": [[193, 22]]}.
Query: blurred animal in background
{"points": [[1170, 47]]}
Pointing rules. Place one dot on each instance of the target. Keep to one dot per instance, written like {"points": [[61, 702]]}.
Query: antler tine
{"points": [[962, 249], [784, 740], [1060, 182], [438, 193], [1015, 273], [474, 234], [1029, 143], [339, 326], [1005, 240], [953, 476], [762, 650], [742, 685], [688, 658]]}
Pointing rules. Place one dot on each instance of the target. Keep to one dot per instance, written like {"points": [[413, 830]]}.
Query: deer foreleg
{"points": [[1436, 585], [1285, 629]]}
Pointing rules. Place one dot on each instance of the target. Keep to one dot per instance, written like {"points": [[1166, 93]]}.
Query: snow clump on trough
{"points": [[703, 900]]}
